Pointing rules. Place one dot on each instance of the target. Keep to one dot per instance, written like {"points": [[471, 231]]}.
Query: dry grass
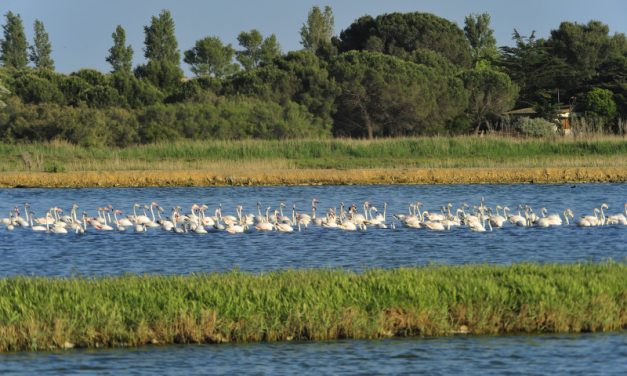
{"points": [[269, 176]]}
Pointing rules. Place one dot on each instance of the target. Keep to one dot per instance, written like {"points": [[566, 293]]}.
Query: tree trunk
{"points": [[367, 122]]}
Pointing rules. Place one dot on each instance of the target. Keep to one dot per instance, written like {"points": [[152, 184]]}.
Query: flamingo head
{"points": [[604, 206]]}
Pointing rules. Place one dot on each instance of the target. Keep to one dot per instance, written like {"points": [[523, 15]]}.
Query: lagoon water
{"points": [[585, 354], [25, 252], [97, 253]]}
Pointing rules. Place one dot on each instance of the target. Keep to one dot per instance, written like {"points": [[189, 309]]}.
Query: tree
{"points": [[583, 47], [599, 102], [161, 49], [382, 95], [14, 44], [536, 71], [481, 38], [399, 34], [490, 93], [41, 49], [316, 33], [256, 49], [300, 77], [120, 56], [210, 57]]}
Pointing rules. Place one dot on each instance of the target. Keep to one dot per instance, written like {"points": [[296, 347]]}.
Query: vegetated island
{"points": [[39, 313], [426, 160]]}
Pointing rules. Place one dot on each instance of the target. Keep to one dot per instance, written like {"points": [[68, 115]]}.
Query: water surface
{"points": [[585, 354], [112, 253]]}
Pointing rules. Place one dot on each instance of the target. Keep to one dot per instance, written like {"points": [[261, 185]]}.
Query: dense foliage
{"points": [[395, 74], [38, 313]]}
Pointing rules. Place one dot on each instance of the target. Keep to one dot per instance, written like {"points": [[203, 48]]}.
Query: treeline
{"points": [[397, 74]]}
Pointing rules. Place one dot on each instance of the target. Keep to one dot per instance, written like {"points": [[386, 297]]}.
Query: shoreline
{"points": [[273, 177]]}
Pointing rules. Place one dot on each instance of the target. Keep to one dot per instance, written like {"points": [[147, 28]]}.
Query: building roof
{"points": [[522, 111]]}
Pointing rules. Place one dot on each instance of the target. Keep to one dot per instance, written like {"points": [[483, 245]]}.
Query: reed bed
{"points": [[427, 152], [38, 313]]}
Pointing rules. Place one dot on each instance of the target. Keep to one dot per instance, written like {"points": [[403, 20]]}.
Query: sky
{"points": [[80, 30]]}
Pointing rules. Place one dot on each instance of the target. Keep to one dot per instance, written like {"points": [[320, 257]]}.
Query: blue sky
{"points": [[80, 30]]}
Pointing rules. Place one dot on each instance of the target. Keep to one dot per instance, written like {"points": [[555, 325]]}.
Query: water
{"points": [[589, 354], [111, 253]]}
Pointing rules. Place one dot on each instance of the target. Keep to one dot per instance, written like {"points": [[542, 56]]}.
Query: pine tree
{"points": [[14, 44], [120, 56], [41, 49]]}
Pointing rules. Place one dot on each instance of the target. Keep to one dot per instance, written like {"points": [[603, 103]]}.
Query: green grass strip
{"points": [[39, 313], [462, 151]]}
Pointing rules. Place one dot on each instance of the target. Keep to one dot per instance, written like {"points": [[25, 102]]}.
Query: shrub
{"points": [[537, 127]]}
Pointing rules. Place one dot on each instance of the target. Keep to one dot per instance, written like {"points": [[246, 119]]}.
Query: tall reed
{"points": [[38, 313], [326, 153]]}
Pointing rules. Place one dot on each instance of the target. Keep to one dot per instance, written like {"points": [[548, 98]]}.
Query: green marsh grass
{"points": [[38, 313], [427, 152]]}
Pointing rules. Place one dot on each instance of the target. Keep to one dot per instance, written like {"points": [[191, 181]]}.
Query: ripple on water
{"points": [[110, 253]]}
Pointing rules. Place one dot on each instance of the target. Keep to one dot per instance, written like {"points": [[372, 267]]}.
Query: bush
{"points": [[537, 127]]}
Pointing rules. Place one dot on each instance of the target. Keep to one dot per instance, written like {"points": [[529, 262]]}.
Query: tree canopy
{"points": [[400, 34], [481, 38], [256, 50], [382, 95], [120, 55], [210, 57], [317, 32], [14, 46], [163, 68], [41, 49]]}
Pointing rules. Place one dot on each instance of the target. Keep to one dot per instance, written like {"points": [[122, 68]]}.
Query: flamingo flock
{"points": [[200, 219]]}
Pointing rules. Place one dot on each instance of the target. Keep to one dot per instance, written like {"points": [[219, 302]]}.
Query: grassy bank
{"points": [[43, 313], [433, 152], [464, 160]]}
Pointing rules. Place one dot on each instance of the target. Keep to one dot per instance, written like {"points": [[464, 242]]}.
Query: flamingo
{"points": [[589, 220], [36, 228], [617, 219]]}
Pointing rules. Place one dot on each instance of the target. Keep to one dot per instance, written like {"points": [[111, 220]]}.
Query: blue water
{"points": [[113, 253], [24, 252], [584, 354]]}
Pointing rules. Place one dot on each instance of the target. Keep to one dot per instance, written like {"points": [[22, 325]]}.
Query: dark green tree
{"points": [[256, 50], [317, 32], [537, 72], [400, 34], [41, 49], [480, 36], [161, 49], [300, 77], [14, 45], [382, 95], [490, 93], [583, 47], [120, 55], [210, 57]]}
